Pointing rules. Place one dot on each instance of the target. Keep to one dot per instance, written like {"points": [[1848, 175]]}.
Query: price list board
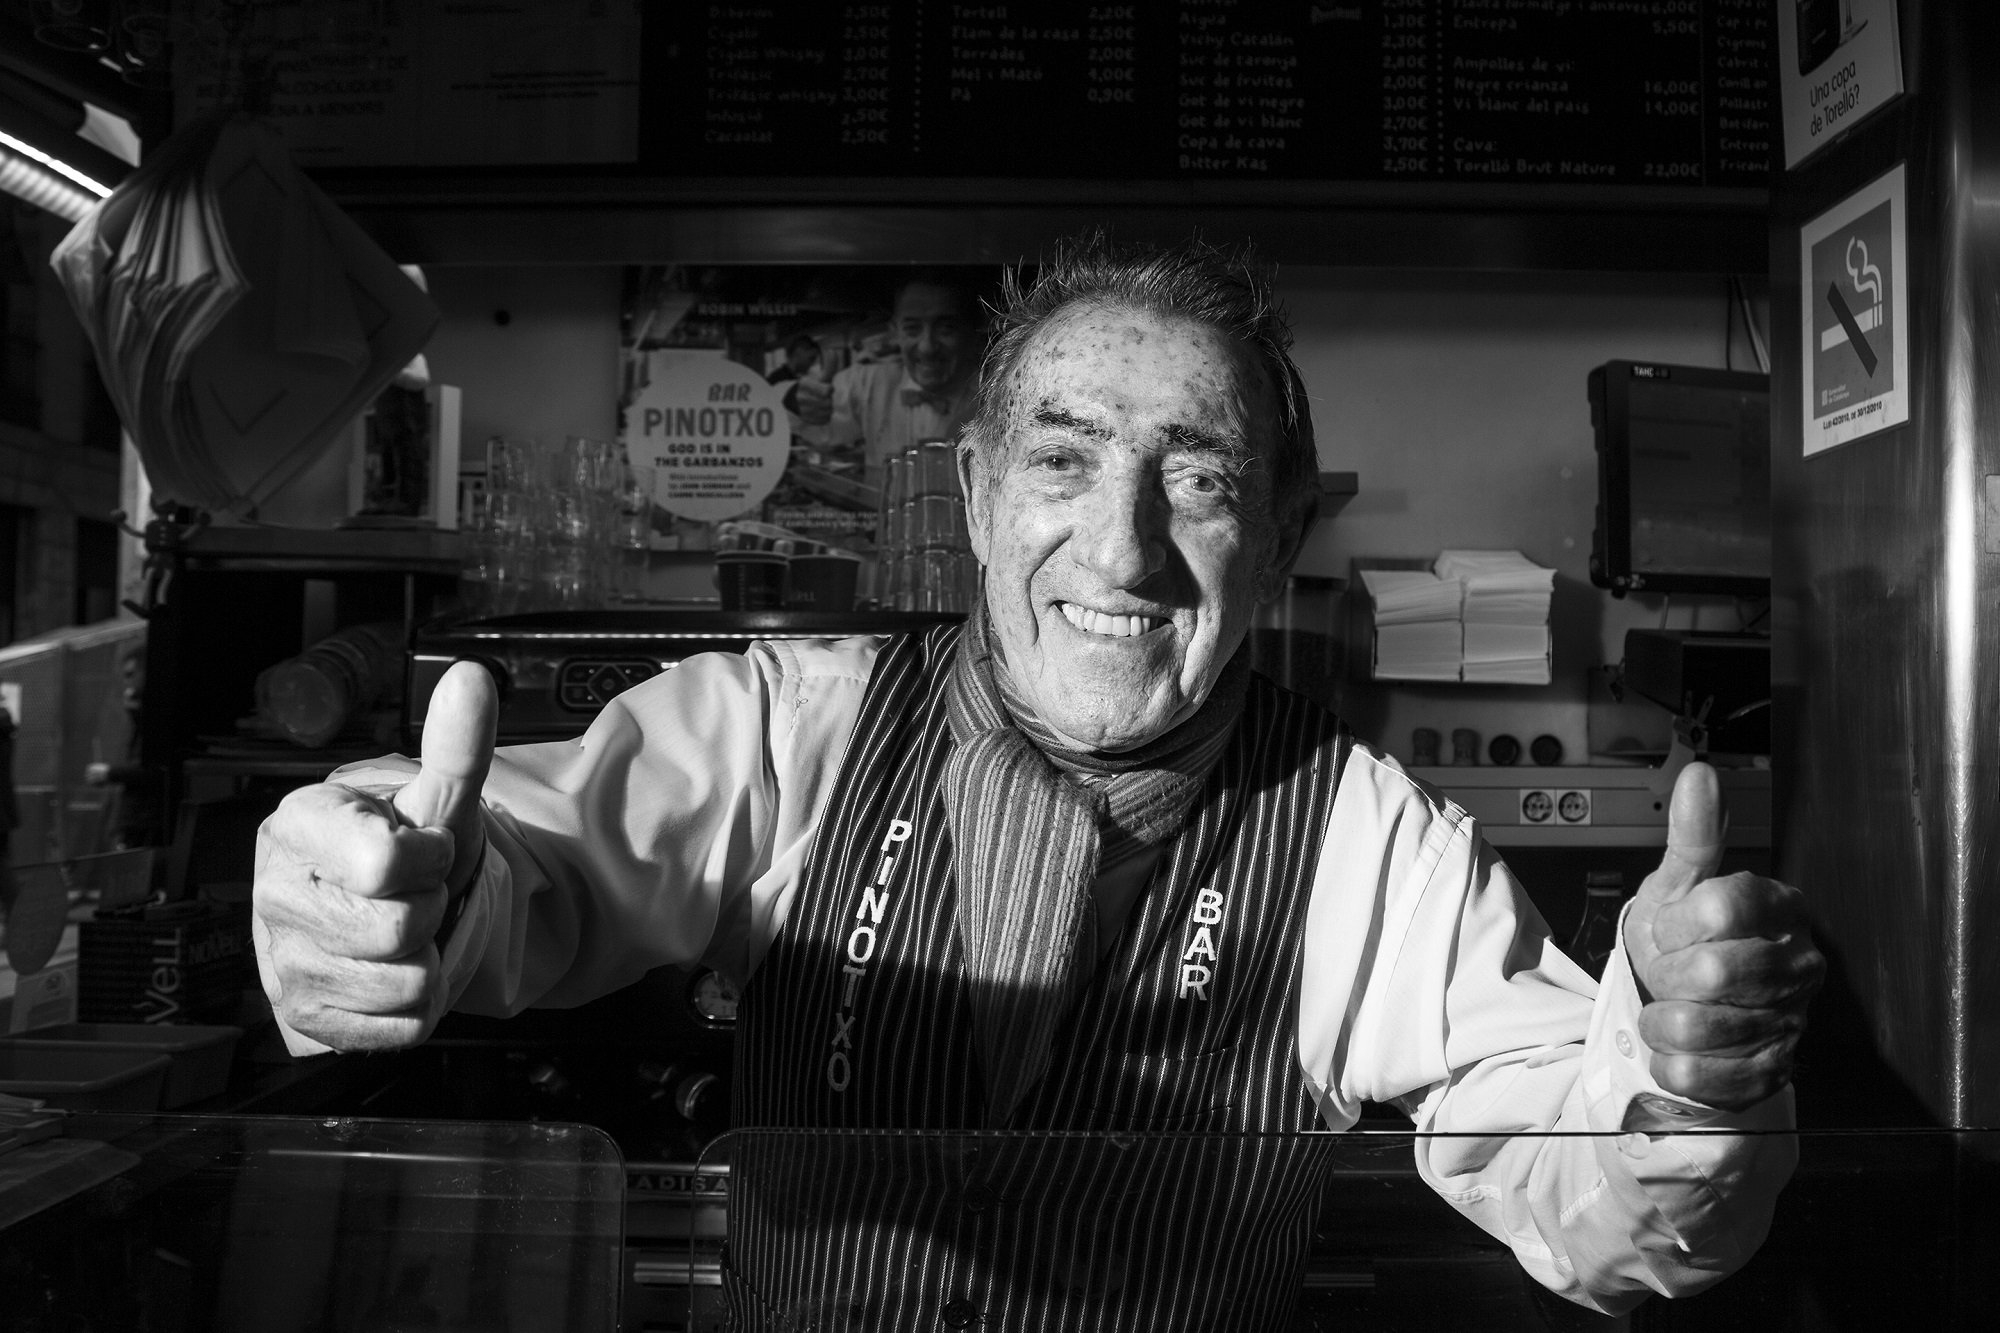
{"points": [[1626, 92]]}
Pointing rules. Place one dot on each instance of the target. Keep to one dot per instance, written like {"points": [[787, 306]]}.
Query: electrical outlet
{"points": [[1573, 807], [1538, 806]]}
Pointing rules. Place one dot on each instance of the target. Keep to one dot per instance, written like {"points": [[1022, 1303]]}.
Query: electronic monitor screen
{"points": [[1684, 480]]}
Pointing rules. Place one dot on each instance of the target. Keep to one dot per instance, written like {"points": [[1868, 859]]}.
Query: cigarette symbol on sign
{"points": [[1867, 280]]}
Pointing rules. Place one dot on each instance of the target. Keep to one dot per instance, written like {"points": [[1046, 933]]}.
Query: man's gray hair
{"points": [[1225, 288]]}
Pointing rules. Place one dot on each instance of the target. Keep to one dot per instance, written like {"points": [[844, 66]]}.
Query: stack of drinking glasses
{"points": [[926, 556], [555, 527], [634, 536]]}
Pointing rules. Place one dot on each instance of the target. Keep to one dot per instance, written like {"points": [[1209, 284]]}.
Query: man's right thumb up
{"points": [[457, 751]]}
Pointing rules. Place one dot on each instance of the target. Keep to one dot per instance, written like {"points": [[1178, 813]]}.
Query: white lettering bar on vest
{"points": [[860, 948], [1195, 975]]}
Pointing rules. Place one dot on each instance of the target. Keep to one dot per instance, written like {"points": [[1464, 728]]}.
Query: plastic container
{"points": [[823, 582], [80, 1078], [200, 1054], [751, 580]]}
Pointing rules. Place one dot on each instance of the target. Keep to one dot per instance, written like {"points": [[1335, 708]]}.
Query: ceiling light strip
{"points": [[43, 188], [28, 150]]}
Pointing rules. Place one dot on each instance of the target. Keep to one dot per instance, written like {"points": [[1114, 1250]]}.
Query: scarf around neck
{"points": [[1033, 823]]}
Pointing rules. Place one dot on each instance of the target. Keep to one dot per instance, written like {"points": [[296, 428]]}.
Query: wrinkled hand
{"points": [[351, 887], [1727, 965]]}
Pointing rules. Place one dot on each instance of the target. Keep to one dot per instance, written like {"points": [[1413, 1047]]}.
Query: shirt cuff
{"points": [[462, 937], [1713, 1191]]}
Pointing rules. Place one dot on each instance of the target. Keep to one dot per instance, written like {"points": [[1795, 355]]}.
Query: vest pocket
{"points": [[1164, 1091]]}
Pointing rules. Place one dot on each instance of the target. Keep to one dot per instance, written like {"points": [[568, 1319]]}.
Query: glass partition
{"points": [[851, 1230], [272, 1224], [275, 1224]]}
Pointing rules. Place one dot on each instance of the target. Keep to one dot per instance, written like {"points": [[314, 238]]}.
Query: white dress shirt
{"points": [[868, 406], [676, 830]]}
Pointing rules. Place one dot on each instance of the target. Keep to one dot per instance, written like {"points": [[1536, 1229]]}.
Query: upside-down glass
{"points": [[548, 531], [633, 534], [580, 504], [507, 546], [936, 567], [72, 25], [892, 544]]}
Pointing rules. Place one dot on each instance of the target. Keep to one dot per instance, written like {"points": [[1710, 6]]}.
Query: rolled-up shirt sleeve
{"points": [[673, 830], [1431, 984]]}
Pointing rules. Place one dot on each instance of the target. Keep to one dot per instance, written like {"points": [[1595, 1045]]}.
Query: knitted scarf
{"points": [[1032, 826]]}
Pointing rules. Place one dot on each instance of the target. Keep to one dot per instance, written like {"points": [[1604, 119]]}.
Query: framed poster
{"points": [[777, 393], [1854, 316], [1838, 61]]}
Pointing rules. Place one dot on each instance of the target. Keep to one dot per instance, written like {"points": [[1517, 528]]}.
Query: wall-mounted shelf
{"points": [[327, 551]]}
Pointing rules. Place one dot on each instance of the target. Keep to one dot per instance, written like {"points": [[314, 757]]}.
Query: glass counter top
{"points": [[113, 1222], [1876, 1229], [196, 1223]]}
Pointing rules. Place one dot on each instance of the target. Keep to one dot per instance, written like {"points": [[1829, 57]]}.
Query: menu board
{"points": [[1627, 92]]}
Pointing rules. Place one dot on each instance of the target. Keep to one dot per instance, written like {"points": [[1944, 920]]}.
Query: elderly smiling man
{"points": [[1074, 866]]}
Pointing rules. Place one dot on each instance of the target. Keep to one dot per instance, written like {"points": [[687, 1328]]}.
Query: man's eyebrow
{"points": [[1231, 449], [1228, 449], [1064, 419]]}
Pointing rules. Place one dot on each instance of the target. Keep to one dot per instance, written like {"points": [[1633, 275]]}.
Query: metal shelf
{"points": [[332, 550]]}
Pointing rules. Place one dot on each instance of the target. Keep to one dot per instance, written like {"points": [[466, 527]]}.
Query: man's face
{"points": [[801, 356], [936, 338], [1126, 523]]}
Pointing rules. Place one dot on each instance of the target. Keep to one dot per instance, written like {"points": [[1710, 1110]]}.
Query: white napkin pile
{"points": [[1417, 627], [1506, 615], [1477, 616]]}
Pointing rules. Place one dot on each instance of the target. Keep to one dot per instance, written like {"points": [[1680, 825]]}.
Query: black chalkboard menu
{"points": [[1626, 92]]}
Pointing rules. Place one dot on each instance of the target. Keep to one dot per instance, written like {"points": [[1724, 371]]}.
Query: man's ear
{"points": [[1287, 542], [974, 482]]}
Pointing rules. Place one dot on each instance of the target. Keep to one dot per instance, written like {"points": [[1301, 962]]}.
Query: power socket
{"points": [[1538, 805], [1573, 807]]}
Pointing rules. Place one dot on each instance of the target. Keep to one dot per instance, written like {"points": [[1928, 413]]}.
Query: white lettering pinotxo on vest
{"points": [[860, 948], [1195, 973]]}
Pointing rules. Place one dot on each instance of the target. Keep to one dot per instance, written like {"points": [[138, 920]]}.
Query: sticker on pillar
{"points": [[1839, 61], [1854, 317]]}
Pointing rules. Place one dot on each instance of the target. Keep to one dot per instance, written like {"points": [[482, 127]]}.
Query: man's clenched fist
{"points": [[352, 885], [1726, 965]]}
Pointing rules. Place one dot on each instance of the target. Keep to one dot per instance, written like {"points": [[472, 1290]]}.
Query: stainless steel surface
{"points": [[1887, 645], [557, 669]]}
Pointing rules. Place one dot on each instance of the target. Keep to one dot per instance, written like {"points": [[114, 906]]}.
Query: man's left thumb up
{"points": [[1695, 837], [457, 753]]}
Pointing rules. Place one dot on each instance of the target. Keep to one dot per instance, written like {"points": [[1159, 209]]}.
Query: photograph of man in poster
{"points": [[925, 394]]}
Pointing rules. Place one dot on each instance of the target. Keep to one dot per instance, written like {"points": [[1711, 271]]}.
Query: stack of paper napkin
{"points": [[1417, 626], [1506, 615], [1477, 616]]}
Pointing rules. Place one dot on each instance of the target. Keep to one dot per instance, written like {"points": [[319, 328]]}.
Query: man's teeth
{"points": [[1097, 622]]}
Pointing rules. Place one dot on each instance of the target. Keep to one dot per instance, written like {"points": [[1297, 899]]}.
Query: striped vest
{"points": [[856, 1020]]}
